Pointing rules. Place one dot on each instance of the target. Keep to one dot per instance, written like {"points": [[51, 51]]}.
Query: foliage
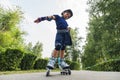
{"points": [[28, 61], [11, 37], [75, 66], [11, 59], [40, 64], [10, 33], [2, 61], [103, 40], [36, 49], [111, 65]]}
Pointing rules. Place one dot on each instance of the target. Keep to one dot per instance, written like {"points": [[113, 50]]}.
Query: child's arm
{"points": [[48, 18]]}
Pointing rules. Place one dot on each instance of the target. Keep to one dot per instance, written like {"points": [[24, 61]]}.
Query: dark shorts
{"points": [[63, 38]]}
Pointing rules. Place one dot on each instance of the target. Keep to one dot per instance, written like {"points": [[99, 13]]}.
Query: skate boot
{"points": [[51, 63], [50, 66], [64, 67], [63, 64]]}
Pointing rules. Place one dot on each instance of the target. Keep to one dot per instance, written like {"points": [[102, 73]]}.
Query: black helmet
{"points": [[69, 11]]}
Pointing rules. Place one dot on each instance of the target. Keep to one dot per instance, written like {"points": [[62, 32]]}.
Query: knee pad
{"points": [[63, 47], [57, 46]]}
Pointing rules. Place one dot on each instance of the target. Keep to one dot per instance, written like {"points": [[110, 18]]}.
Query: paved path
{"points": [[76, 75]]}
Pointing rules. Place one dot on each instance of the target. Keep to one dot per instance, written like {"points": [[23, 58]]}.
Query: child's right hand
{"points": [[37, 21], [69, 28]]}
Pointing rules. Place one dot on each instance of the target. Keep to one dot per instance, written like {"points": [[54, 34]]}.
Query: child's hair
{"points": [[69, 11]]}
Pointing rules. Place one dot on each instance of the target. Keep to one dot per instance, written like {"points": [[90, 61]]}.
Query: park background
{"points": [[95, 33]]}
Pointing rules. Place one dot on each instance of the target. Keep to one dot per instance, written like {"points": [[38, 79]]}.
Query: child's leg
{"points": [[62, 54], [53, 59], [62, 51], [55, 53], [61, 62]]}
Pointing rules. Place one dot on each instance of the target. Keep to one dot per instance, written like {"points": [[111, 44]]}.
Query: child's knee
{"points": [[58, 46], [63, 47]]}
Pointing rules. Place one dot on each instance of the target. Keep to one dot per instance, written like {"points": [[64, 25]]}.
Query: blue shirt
{"points": [[60, 22]]}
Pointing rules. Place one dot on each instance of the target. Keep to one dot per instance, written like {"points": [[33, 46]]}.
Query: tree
{"points": [[36, 49], [29, 48], [103, 40], [10, 33]]}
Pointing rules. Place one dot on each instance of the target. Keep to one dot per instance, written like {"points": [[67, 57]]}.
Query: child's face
{"points": [[66, 15]]}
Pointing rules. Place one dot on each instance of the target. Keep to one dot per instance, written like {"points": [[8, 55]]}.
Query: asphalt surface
{"points": [[76, 75]]}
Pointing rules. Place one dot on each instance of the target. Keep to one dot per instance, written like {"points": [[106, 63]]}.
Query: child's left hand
{"points": [[37, 21]]}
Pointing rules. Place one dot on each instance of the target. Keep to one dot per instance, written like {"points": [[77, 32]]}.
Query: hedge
{"points": [[75, 66], [2, 62], [40, 64], [28, 61], [10, 59], [111, 65]]}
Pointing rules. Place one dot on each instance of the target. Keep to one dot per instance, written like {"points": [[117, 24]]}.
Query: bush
{"points": [[68, 62], [40, 64], [75, 66], [11, 59], [2, 61], [28, 61], [111, 65]]}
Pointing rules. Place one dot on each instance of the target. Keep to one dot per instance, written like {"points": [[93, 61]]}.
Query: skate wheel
{"points": [[48, 73], [63, 73], [69, 72], [66, 73]]}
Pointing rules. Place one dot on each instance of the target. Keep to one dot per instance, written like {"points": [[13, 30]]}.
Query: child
{"points": [[63, 37]]}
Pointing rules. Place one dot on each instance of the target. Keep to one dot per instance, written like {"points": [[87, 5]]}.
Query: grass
{"points": [[23, 71]]}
